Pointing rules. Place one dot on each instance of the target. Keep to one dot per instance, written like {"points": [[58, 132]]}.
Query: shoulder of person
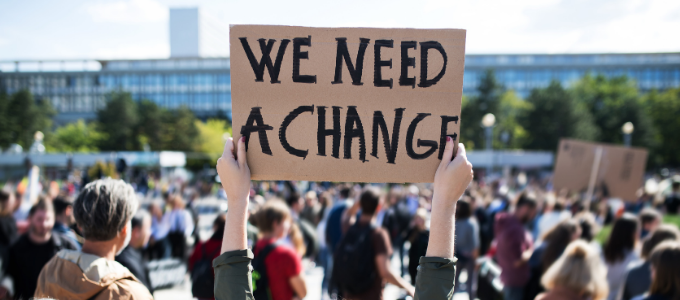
{"points": [[61, 241], [127, 288]]}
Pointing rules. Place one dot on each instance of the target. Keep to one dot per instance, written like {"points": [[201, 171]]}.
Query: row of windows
{"points": [[584, 59], [62, 83], [200, 102]]}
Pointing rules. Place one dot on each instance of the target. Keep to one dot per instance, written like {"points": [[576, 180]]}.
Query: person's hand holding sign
{"points": [[235, 176], [450, 181]]}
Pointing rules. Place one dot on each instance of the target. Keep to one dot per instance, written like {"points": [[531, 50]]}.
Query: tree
{"points": [[487, 100], [21, 117], [554, 114], [510, 111], [664, 109], [151, 124], [5, 124], [75, 137], [210, 139], [118, 121], [613, 102], [180, 132]]}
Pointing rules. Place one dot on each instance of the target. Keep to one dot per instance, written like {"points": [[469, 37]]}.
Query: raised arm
{"points": [[233, 278], [437, 270]]}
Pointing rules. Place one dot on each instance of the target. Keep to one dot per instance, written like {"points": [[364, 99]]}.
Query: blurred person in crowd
{"points": [[334, 223], [467, 250], [619, 251], [181, 226], [419, 238], [131, 257], [159, 244], [324, 256], [514, 244], [638, 278], [302, 234], [650, 219], [283, 264], [33, 250], [63, 218], [397, 220], [665, 260], [206, 252], [311, 211], [104, 211], [361, 262], [577, 274], [554, 213], [672, 201], [8, 228], [553, 244]]}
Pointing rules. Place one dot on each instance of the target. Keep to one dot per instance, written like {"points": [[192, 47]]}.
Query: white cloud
{"points": [[128, 11]]}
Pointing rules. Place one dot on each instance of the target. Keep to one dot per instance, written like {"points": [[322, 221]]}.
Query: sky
{"points": [[129, 29]]}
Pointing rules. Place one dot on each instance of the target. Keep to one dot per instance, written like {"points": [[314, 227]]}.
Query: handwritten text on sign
{"points": [[346, 104]]}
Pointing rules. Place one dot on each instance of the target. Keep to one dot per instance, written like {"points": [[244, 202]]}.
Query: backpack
{"points": [[203, 277], [261, 289], [354, 268]]}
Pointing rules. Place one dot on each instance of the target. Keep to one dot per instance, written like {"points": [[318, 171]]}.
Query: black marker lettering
{"points": [[406, 62], [343, 52], [284, 126], [351, 133], [256, 123], [266, 60], [444, 133], [297, 56], [322, 132], [421, 143], [378, 63], [424, 47], [379, 122]]}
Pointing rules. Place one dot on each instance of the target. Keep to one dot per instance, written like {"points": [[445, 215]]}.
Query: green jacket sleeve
{"points": [[233, 275], [435, 278]]}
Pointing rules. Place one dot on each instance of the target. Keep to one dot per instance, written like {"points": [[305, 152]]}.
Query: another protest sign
{"points": [[616, 171], [346, 104]]}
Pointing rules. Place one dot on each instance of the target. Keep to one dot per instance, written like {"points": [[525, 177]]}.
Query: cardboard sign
{"points": [[620, 170], [346, 104]]}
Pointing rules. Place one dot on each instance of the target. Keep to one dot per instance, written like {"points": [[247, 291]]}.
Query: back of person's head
{"points": [[649, 215], [580, 270], [463, 209], [622, 238], [272, 212], [220, 222], [177, 202], [370, 200], [103, 208], [293, 199], [139, 217], [61, 204], [663, 233], [6, 205], [589, 227], [557, 239], [665, 260], [344, 192], [526, 200]]}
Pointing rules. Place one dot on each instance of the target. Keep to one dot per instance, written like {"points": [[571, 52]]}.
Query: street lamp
{"points": [[627, 130], [487, 122]]}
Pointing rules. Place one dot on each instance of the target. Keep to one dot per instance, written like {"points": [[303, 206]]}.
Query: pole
{"points": [[593, 177], [627, 139], [489, 150]]}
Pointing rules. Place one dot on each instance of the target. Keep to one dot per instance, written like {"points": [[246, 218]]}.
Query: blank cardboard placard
{"points": [[346, 104], [620, 171]]}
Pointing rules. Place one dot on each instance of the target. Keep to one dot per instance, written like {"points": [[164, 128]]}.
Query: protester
{"points": [[283, 265], [436, 272], [200, 261], [312, 210], [638, 279], [159, 244], [63, 219], [303, 234], [467, 250], [650, 219], [419, 239], [554, 242], [672, 201], [665, 276], [33, 250], [361, 262], [181, 226], [131, 257], [516, 244], [577, 274], [554, 213], [619, 251], [8, 229]]}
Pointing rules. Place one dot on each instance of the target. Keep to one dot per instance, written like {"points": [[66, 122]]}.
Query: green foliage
{"points": [[486, 101], [21, 117], [554, 114], [664, 111], [102, 170], [211, 135], [75, 137], [510, 110], [151, 125], [118, 121], [180, 132]]}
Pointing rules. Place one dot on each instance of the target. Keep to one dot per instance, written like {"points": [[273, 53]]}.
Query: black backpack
{"points": [[354, 268], [202, 276], [261, 289]]}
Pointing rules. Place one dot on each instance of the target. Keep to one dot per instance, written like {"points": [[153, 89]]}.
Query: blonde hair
{"points": [[579, 269]]}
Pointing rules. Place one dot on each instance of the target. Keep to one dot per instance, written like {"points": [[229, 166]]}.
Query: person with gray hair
{"points": [[103, 211]]}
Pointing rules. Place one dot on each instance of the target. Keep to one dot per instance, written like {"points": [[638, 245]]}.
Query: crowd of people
{"points": [[95, 242]]}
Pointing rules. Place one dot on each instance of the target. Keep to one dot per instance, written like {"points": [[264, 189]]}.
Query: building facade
{"points": [[78, 88]]}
